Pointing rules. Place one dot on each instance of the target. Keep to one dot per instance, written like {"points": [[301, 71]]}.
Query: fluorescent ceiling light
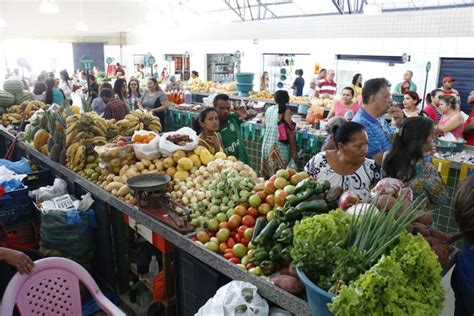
{"points": [[3, 23], [82, 27], [49, 7]]}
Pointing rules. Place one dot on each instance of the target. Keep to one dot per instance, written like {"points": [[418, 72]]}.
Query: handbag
{"points": [[282, 134]]}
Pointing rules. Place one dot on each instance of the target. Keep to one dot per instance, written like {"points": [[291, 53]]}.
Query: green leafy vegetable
{"points": [[316, 245], [406, 282]]}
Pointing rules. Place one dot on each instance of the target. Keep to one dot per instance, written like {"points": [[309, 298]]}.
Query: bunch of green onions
{"points": [[375, 232]]}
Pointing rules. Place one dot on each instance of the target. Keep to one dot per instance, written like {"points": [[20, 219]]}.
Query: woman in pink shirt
{"points": [[340, 108], [452, 120]]}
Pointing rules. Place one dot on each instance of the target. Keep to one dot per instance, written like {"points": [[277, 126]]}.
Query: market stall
{"points": [[214, 208]]}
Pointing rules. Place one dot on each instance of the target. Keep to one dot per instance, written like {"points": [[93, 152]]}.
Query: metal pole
{"points": [[88, 85], [428, 67]]}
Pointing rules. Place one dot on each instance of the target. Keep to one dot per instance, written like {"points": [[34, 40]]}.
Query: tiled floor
{"points": [[448, 295]]}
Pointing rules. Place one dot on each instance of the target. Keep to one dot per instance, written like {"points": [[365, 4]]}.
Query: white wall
{"points": [[324, 51], [425, 35]]}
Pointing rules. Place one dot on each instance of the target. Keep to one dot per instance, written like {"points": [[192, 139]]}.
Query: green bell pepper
{"points": [[292, 215], [280, 214], [268, 267], [260, 255], [286, 236], [275, 252], [280, 229]]}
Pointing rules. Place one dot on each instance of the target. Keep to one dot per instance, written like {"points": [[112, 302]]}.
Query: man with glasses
{"points": [[377, 101]]}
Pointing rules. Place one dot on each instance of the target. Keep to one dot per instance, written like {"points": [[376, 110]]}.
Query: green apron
{"points": [[232, 138]]}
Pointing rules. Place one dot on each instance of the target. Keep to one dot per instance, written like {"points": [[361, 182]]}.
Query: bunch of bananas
{"points": [[11, 118], [139, 120], [84, 132], [16, 113]]}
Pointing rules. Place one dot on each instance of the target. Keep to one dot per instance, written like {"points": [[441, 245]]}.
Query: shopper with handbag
{"points": [[279, 143]]}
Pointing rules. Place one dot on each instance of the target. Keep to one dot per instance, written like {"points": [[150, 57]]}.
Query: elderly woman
{"points": [[173, 84], [346, 166]]}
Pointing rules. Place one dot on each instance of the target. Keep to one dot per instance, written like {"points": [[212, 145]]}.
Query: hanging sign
{"points": [[87, 63]]}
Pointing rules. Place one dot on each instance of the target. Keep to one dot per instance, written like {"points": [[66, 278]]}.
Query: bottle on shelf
{"points": [[153, 269], [188, 97]]}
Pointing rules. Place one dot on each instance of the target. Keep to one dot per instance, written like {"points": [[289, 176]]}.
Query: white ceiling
{"points": [[110, 17]]}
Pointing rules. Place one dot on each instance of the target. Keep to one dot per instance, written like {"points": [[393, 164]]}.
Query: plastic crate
{"points": [[15, 208], [38, 179], [196, 282], [22, 236]]}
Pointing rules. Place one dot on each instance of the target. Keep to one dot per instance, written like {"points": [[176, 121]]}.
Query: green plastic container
{"points": [[317, 297]]}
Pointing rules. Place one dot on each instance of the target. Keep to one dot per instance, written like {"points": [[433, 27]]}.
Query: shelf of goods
{"points": [[294, 101], [274, 294]]}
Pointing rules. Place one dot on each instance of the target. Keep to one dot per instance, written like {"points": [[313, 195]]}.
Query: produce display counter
{"points": [[274, 294], [310, 144], [198, 97]]}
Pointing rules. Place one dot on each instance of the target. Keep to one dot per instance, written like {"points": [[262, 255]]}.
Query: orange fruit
{"points": [[138, 138]]}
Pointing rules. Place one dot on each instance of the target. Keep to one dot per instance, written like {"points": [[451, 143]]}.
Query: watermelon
{"points": [[24, 96], [6, 99], [13, 86]]}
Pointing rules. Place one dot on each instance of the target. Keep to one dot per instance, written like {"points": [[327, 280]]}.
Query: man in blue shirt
{"points": [[299, 83], [377, 101]]}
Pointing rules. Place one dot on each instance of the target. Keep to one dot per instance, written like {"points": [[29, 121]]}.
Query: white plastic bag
{"points": [[148, 151], [235, 298], [167, 148]]}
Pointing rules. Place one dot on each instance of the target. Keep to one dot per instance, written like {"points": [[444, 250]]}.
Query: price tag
{"points": [[63, 202]]}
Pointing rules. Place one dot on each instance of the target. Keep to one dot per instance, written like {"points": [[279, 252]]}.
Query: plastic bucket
{"points": [[317, 297], [244, 87], [244, 77]]}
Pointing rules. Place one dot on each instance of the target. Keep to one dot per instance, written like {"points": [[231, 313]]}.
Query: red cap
{"points": [[448, 79]]}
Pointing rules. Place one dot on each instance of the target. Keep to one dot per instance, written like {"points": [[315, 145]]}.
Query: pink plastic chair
{"points": [[52, 288]]}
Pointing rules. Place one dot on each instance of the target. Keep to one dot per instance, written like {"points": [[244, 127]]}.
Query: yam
{"points": [[425, 219], [443, 254], [452, 237], [288, 283], [422, 230], [439, 235], [290, 270]]}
